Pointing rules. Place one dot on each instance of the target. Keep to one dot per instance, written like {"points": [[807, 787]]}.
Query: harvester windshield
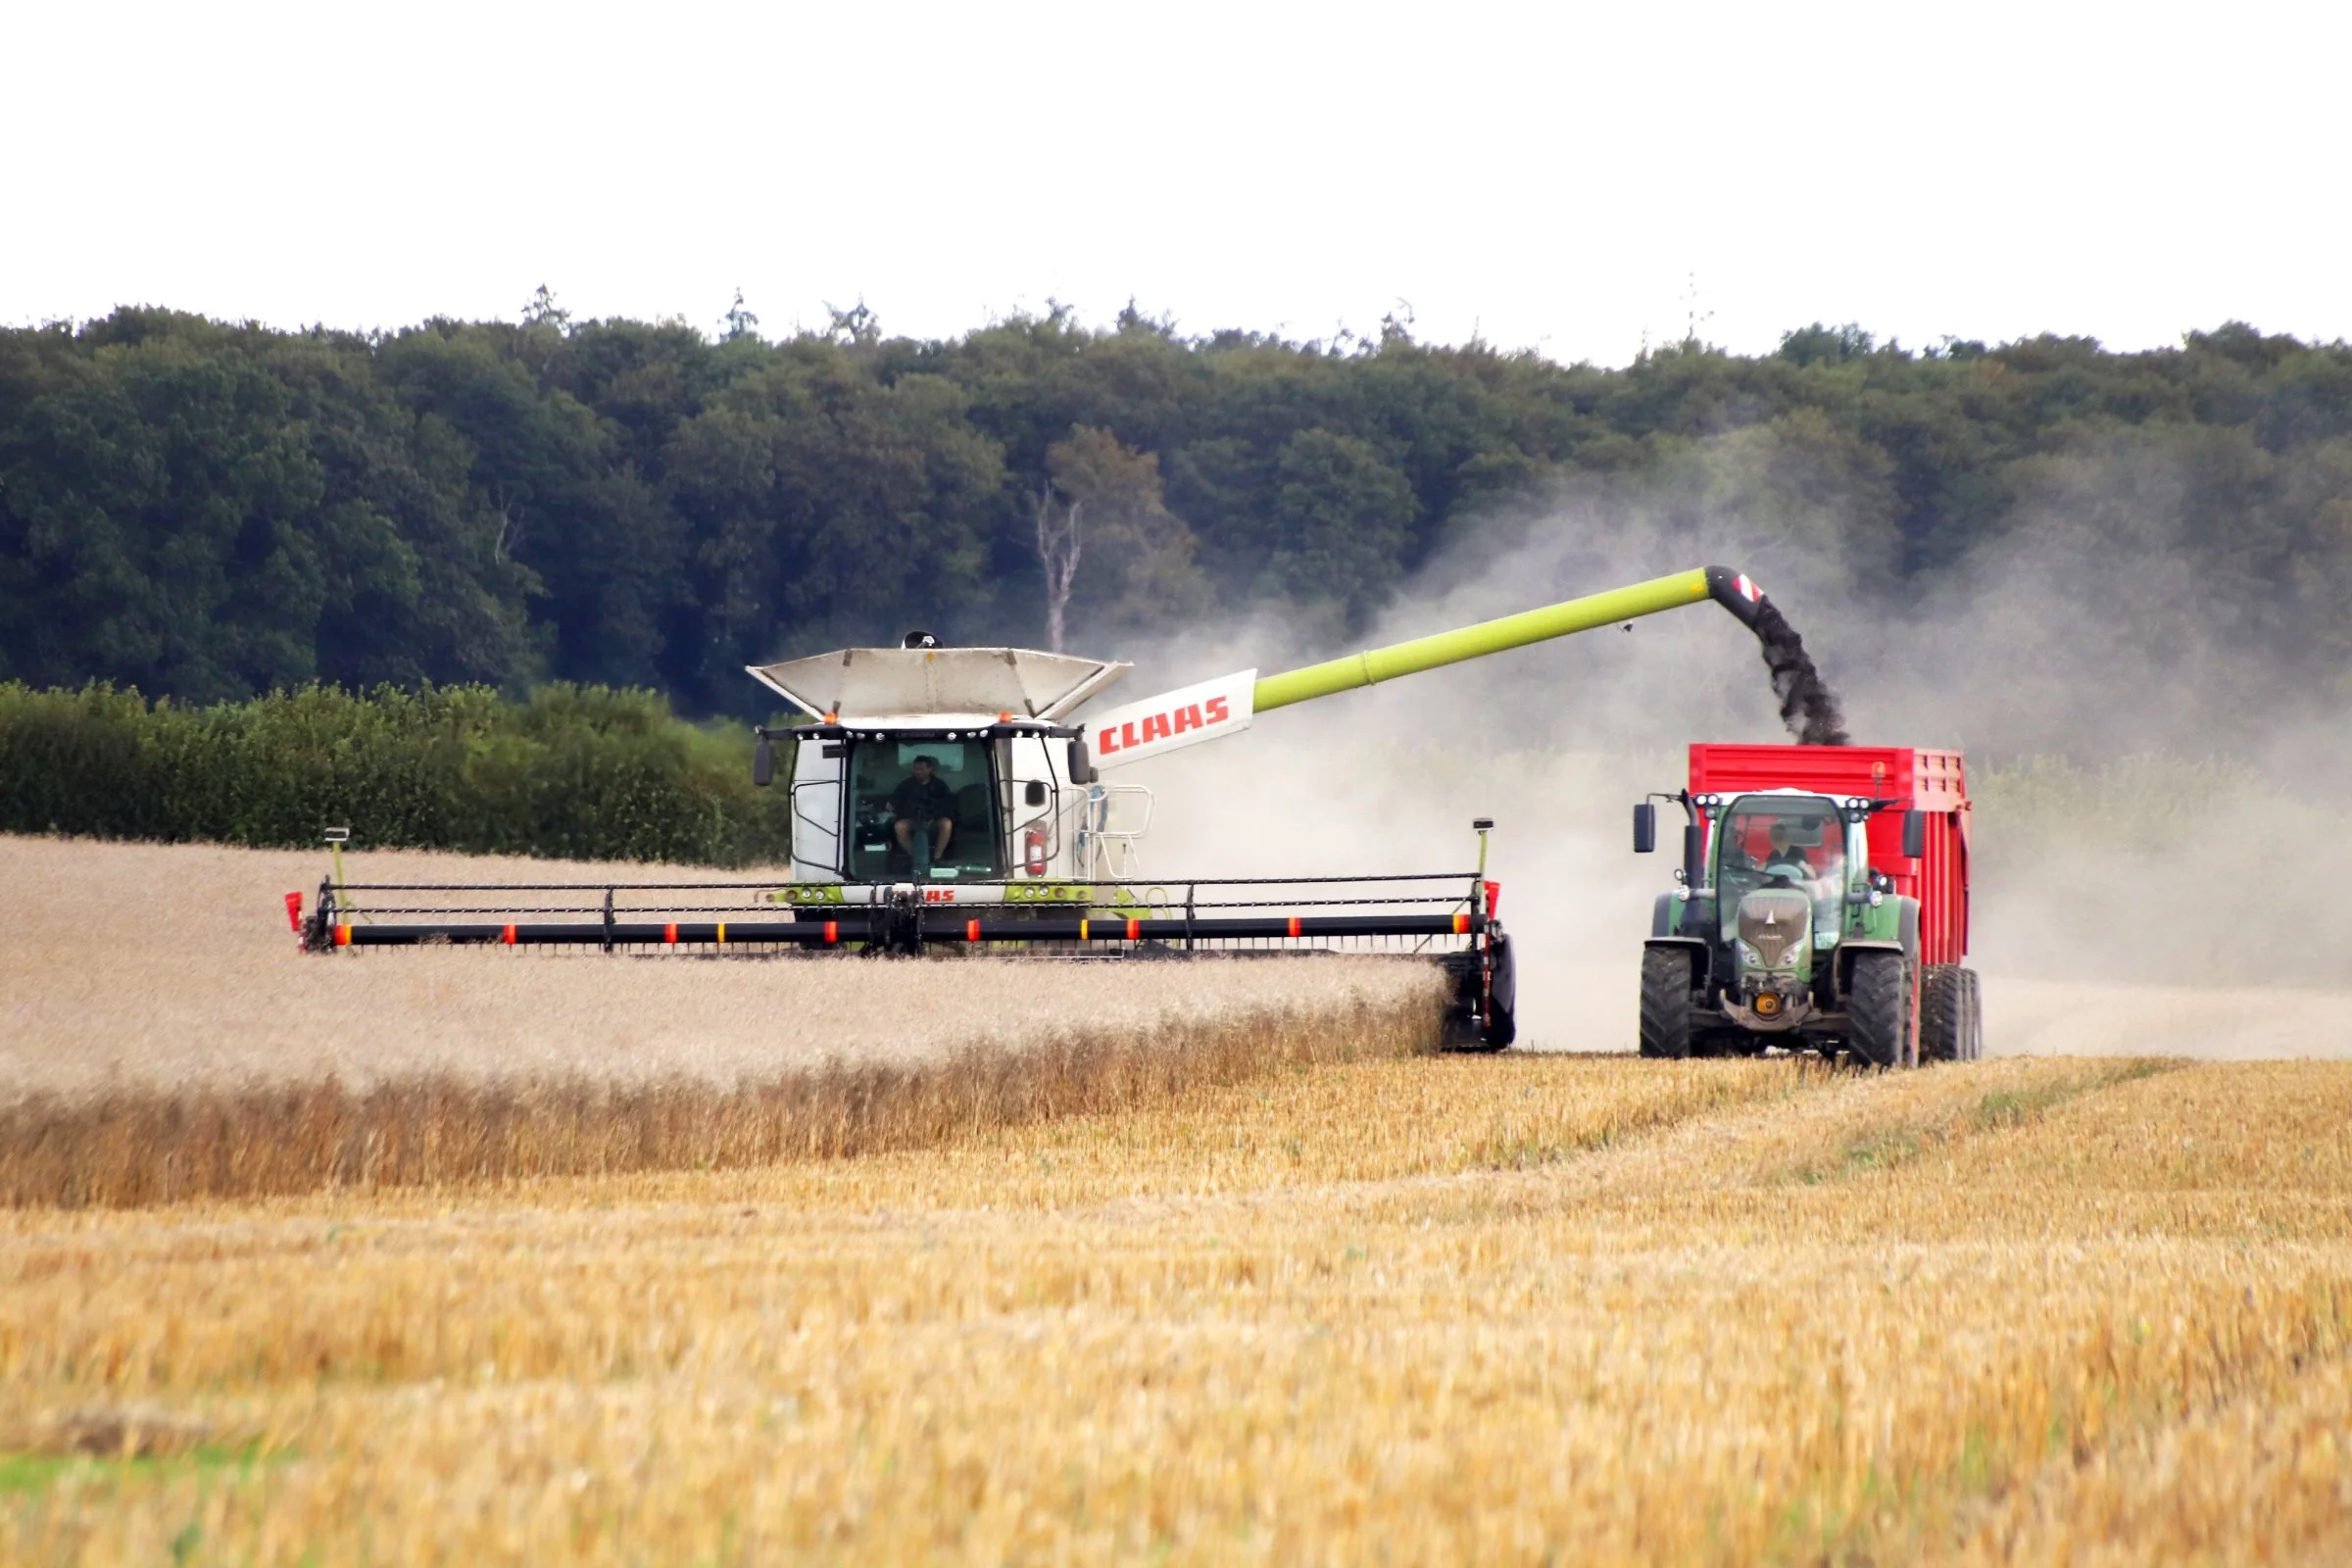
{"points": [[904, 790], [1765, 841]]}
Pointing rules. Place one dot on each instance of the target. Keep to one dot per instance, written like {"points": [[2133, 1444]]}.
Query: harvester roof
{"points": [[908, 682]]}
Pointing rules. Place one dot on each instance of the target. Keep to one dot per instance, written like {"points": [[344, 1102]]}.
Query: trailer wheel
{"points": [[1943, 1013], [1972, 998], [1879, 1012], [1665, 1003]]}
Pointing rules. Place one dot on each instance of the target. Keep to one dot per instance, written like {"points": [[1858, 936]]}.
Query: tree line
{"points": [[571, 772], [211, 511]]}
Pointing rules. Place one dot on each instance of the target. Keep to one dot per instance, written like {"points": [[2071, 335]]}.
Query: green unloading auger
{"points": [[1732, 590]]}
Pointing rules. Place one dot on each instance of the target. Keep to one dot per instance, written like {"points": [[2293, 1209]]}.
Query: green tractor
{"points": [[1822, 906]]}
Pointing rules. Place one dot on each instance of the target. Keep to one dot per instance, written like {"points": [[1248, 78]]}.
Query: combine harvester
{"points": [[949, 798]]}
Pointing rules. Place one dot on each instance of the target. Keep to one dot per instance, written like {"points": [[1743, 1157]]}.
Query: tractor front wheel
{"points": [[1666, 1003], [1878, 1010]]}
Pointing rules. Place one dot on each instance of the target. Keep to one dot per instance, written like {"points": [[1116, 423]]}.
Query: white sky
{"points": [[1565, 176]]}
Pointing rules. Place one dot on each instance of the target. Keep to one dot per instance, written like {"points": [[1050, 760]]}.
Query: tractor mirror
{"points": [[763, 763], [1915, 834], [1035, 795], [1646, 828], [1082, 771]]}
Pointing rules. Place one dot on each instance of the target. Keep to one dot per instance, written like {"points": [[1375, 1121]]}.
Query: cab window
{"points": [[879, 784], [1765, 841]]}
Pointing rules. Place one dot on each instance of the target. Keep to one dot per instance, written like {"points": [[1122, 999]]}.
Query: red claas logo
{"points": [[1163, 725]]}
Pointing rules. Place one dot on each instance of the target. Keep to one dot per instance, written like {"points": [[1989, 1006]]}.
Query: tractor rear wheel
{"points": [[1665, 1003], [1943, 1013], [1878, 1010]]}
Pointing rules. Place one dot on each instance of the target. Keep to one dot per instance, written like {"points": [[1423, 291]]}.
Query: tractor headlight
{"points": [[1748, 955]]}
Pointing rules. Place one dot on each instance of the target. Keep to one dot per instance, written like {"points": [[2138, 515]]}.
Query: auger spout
{"points": [[1230, 703], [1735, 591]]}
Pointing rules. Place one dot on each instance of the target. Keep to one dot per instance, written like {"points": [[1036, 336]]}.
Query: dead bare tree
{"points": [[1057, 545]]}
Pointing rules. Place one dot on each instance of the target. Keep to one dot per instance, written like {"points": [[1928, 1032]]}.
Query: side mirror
{"points": [[1035, 794], [1646, 828], [1081, 769], [764, 762], [1915, 834]]}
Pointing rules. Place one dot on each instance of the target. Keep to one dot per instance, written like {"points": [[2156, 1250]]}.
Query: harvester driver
{"points": [[924, 803]]}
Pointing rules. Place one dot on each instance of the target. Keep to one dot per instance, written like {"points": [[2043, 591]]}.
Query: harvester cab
{"points": [[969, 745], [1822, 903]]}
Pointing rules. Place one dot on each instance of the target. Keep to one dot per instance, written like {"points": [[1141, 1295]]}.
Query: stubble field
{"points": [[1334, 1308]]}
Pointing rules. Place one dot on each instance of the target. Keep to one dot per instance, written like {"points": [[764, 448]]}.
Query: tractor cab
{"points": [[1779, 862], [1780, 843], [1775, 883]]}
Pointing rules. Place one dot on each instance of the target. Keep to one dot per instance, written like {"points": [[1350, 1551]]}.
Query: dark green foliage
{"points": [[1345, 517], [576, 772], [212, 510]]}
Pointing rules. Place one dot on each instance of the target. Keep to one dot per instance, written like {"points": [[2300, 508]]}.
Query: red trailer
{"points": [[1823, 904]]}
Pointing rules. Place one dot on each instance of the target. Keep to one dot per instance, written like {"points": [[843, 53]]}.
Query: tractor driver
{"points": [[1789, 861], [1786, 858], [924, 803]]}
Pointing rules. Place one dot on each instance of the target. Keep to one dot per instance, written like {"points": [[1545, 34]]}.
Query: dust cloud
{"points": [[2148, 848]]}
